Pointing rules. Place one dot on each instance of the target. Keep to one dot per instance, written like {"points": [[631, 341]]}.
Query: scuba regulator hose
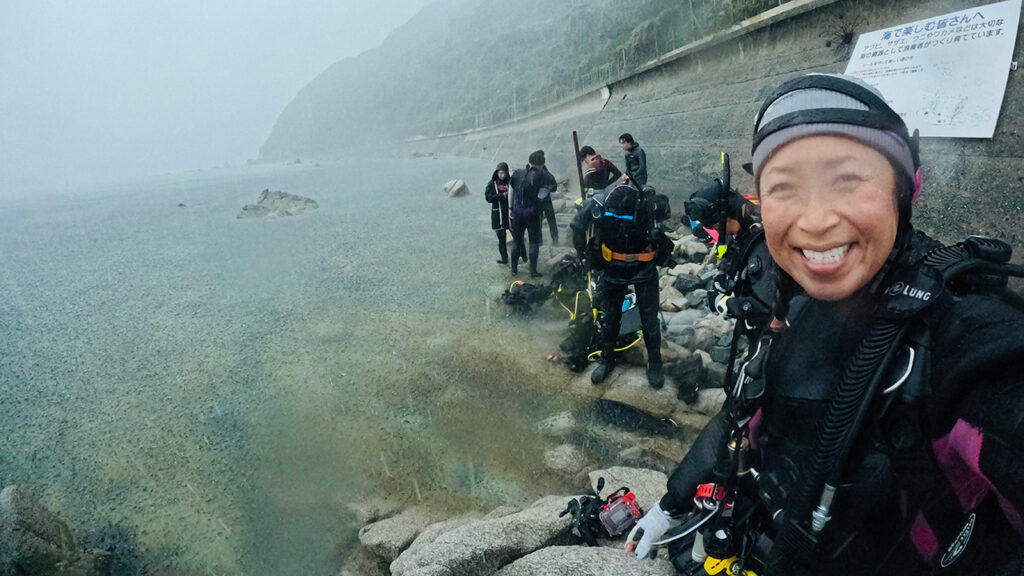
{"points": [[847, 410], [597, 353], [857, 389]]}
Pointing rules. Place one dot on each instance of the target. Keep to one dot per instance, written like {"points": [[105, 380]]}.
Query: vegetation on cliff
{"points": [[460, 64]]}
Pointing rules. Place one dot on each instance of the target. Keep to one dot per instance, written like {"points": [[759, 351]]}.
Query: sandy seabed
{"points": [[208, 395]]}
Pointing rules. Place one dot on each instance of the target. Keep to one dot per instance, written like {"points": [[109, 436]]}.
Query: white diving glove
{"points": [[720, 304], [654, 524]]}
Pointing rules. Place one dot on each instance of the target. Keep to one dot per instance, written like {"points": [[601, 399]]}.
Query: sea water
{"points": [[206, 394]]}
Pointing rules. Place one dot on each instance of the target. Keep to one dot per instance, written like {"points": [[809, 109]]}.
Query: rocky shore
{"points": [[644, 434]]}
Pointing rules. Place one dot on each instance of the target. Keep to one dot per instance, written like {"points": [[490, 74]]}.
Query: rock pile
{"points": [[277, 203], [508, 541]]}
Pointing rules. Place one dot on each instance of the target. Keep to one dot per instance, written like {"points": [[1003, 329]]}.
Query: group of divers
{"points": [[875, 424]]}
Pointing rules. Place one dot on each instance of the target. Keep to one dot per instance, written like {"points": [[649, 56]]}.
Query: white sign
{"points": [[945, 75]]}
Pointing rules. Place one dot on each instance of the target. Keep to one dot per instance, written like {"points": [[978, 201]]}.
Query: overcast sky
{"points": [[103, 90]]}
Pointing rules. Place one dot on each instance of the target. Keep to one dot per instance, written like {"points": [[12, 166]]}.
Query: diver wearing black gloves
{"points": [[626, 246], [879, 427]]}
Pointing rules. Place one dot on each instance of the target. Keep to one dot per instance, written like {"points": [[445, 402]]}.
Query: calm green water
{"points": [[207, 395]]}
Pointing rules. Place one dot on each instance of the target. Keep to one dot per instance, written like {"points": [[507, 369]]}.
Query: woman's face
{"points": [[828, 205]]}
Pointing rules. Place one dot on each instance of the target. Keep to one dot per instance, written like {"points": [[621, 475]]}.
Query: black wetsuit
{"points": [[525, 211], [935, 481], [616, 276]]}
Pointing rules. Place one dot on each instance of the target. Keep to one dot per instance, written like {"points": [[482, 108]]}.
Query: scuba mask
{"points": [[701, 212]]}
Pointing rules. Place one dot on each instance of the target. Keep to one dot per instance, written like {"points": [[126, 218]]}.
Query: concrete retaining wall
{"points": [[693, 103]]}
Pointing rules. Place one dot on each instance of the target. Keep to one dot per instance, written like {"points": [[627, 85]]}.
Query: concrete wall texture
{"points": [[683, 112]]}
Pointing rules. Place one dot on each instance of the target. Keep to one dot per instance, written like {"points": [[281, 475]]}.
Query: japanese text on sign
{"points": [[945, 75]]}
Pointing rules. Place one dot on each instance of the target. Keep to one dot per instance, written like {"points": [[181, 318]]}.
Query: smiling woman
{"points": [[829, 208], [885, 402]]}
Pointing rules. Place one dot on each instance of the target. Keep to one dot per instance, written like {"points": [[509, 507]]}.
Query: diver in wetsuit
{"points": [[626, 247], [879, 427], [528, 184]]}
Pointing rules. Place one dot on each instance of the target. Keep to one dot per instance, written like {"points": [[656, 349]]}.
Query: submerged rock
{"points": [[35, 541], [277, 203], [373, 509], [565, 459], [560, 425], [455, 188]]}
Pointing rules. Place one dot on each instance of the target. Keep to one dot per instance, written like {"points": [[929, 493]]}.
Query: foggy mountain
{"points": [[460, 64]]}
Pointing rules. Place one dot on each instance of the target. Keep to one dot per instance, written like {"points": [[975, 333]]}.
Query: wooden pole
{"points": [[579, 167]]}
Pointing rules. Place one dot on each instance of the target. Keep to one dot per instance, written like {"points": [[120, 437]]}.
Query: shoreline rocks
{"points": [[484, 546], [584, 561]]}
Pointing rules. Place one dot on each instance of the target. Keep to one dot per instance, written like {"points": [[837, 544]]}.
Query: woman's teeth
{"points": [[827, 257]]}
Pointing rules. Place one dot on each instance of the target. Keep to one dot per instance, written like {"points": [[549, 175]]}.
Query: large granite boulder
{"points": [[585, 561], [36, 542], [484, 546], [277, 203], [431, 533], [455, 188], [655, 453], [387, 538]]}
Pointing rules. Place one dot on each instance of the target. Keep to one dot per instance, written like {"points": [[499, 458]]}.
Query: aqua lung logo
{"points": [[901, 289], [957, 547]]}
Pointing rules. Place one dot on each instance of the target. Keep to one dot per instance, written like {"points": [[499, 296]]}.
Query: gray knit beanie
{"points": [[816, 97]]}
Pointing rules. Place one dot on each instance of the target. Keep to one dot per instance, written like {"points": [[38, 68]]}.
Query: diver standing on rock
{"points": [[627, 247], [497, 194], [528, 184]]}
